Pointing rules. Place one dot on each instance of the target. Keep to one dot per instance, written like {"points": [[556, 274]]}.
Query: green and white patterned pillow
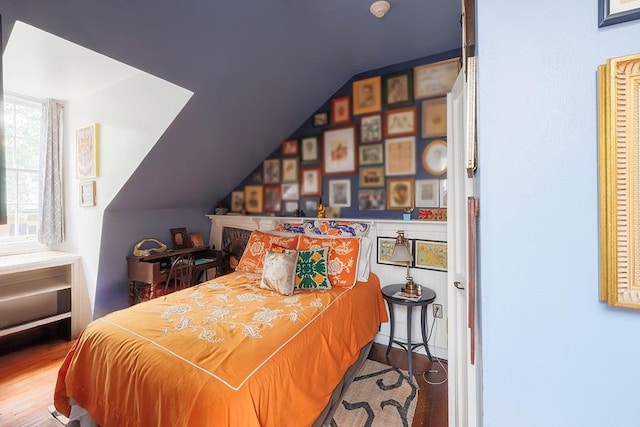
{"points": [[311, 269]]}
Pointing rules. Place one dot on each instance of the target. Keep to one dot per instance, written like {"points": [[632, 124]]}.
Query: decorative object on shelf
{"points": [[400, 155], [320, 211], [367, 96], [400, 193], [221, 208], [340, 150], [436, 214], [321, 119], [431, 255], [616, 11], [340, 112], [397, 89], [159, 247], [406, 214], [435, 79], [379, 8], [180, 238], [434, 118], [434, 157], [87, 151], [402, 254], [618, 151], [88, 193]]}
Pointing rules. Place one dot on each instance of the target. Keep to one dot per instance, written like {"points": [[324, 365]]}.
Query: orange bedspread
{"points": [[224, 353]]}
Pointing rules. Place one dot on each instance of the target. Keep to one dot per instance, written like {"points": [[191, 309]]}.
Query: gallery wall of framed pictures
{"points": [[377, 148]]}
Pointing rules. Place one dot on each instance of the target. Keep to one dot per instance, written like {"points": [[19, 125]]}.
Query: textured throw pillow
{"points": [[342, 259], [279, 272], [258, 244], [326, 228], [311, 269]]}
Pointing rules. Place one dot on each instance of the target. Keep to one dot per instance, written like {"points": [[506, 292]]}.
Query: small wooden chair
{"points": [[181, 274]]}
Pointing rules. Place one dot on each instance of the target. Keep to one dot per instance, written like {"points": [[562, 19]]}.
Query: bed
{"points": [[225, 352]]}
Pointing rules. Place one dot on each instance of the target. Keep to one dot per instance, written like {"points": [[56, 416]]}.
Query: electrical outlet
{"points": [[437, 311]]}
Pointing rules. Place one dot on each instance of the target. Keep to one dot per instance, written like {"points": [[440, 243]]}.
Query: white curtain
{"points": [[51, 225]]}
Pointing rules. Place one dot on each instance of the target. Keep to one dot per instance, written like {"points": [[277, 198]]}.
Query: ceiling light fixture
{"points": [[379, 8]]}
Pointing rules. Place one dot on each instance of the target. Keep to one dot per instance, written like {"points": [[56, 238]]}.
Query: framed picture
{"points": [[272, 198], [87, 151], [432, 214], [321, 119], [340, 151], [397, 89], [340, 112], [434, 157], [309, 206], [271, 171], [310, 182], [430, 255], [371, 154], [435, 79], [371, 199], [196, 239], [290, 148], [427, 193], [290, 191], [290, 169], [253, 198], [340, 193], [618, 151], [370, 128], [385, 249], [366, 96], [401, 156], [309, 150], [443, 193], [88, 193], [434, 117], [401, 121], [372, 176], [290, 207], [237, 201], [180, 238], [400, 193], [616, 11]]}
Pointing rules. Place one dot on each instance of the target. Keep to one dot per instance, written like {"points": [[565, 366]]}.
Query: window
{"points": [[22, 155]]}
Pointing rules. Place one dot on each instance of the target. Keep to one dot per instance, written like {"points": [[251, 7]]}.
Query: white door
{"points": [[462, 370]]}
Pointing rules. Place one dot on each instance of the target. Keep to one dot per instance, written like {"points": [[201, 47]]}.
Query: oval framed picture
{"points": [[434, 157]]}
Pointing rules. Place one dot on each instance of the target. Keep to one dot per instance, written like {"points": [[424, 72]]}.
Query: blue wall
{"points": [[307, 129], [553, 355]]}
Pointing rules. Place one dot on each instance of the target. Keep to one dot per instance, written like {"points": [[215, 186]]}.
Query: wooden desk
{"points": [[154, 269]]}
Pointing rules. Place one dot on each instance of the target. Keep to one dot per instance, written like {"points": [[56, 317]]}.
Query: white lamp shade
{"points": [[401, 253]]}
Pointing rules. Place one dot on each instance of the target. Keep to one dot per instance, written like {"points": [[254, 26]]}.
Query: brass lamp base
{"points": [[410, 288]]}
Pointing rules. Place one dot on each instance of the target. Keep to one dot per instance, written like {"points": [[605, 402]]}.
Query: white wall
{"points": [[553, 354], [133, 113]]}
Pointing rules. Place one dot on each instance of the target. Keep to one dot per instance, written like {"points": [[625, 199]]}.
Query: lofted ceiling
{"points": [[258, 70]]}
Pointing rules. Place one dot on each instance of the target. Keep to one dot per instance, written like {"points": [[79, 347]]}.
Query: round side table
{"points": [[426, 297]]}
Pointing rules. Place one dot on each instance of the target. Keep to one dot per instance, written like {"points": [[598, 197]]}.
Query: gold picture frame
{"points": [[87, 140], [367, 95], [619, 212], [253, 198]]}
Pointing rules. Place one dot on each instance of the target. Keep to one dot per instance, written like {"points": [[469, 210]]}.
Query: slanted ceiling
{"points": [[258, 69]]}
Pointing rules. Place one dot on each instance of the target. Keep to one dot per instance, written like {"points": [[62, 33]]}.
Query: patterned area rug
{"points": [[380, 395]]}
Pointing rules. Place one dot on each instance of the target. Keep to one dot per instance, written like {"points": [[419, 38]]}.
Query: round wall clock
{"points": [[434, 157]]}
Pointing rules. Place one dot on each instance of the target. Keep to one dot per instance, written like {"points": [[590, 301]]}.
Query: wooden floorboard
{"points": [[28, 376]]}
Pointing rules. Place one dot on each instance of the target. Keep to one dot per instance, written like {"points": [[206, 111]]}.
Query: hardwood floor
{"points": [[28, 376]]}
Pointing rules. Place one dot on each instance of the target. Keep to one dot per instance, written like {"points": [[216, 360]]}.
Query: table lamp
{"points": [[401, 253]]}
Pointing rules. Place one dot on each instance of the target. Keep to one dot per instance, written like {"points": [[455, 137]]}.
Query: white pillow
{"points": [[279, 273], [364, 259]]}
